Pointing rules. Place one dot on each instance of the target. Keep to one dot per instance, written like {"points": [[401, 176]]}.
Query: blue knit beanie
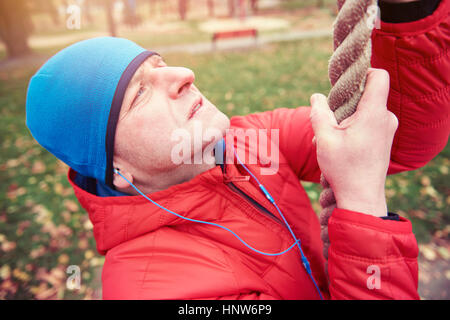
{"points": [[74, 100]]}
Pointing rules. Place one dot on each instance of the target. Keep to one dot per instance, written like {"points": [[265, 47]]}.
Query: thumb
{"points": [[321, 116]]}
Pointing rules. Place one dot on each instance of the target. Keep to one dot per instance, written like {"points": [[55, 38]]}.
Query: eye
{"points": [[140, 92]]}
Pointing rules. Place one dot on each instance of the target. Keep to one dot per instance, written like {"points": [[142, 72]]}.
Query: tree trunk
{"points": [[182, 8], [231, 8], [151, 6], [254, 6], [109, 6], [242, 10], [211, 8], [15, 27], [129, 13], [87, 11], [51, 9]]}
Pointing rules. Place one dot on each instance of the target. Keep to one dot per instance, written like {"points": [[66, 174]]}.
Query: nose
{"points": [[176, 80]]}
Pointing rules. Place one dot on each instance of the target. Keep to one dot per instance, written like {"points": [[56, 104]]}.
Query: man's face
{"points": [[158, 101]]}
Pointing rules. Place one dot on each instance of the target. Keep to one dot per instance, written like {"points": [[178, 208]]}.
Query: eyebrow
{"points": [[138, 75], [137, 78], [141, 70]]}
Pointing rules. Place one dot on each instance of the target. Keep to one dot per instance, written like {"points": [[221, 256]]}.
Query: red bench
{"points": [[234, 34]]}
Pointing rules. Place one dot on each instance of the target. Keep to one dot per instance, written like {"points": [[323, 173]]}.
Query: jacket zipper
{"points": [[269, 214], [253, 202]]}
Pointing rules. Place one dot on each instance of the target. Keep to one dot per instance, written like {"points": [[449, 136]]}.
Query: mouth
{"points": [[195, 107]]}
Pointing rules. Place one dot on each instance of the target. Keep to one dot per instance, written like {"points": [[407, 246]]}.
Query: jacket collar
{"points": [[118, 219]]}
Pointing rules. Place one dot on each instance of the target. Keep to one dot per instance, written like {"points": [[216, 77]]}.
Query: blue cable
{"points": [[269, 197], [205, 222], [297, 241]]}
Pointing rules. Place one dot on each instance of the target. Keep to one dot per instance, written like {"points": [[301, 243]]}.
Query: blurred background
{"points": [[278, 58]]}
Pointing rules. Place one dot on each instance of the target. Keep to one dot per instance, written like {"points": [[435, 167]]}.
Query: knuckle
{"points": [[393, 120]]}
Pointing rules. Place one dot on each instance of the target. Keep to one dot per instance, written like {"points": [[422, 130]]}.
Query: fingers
{"points": [[321, 116], [376, 91]]}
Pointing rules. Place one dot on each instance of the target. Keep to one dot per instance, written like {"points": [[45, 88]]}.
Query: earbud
{"points": [[116, 170]]}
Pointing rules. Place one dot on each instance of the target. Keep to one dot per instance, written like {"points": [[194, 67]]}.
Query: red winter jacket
{"points": [[151, 254]]}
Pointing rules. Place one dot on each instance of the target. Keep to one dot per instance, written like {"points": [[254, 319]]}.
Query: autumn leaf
{"points": [[36, 253], [8, 246], [427, 252], [38, 167], [70, 205], [63, 259], [89, 254], [83, 244]]}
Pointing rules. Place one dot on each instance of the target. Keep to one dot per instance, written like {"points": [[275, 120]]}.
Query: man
{"points": [[109, 109]]}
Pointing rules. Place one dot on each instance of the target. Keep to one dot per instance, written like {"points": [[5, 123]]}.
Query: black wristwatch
{"points": [[391, 216]]}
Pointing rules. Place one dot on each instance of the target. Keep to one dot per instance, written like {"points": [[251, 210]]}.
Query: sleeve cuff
{"points": [[391, 216], [419, 26], [368, 237], [407, 11]]}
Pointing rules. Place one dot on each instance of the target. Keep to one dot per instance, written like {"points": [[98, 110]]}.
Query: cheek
{"points": [[149, 137], [151, 127]]}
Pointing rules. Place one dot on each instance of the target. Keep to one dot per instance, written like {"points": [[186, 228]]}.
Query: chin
{"points": [[219, 121]]}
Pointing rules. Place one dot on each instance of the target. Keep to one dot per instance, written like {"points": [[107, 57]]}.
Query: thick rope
{"points": [[347, 72]]}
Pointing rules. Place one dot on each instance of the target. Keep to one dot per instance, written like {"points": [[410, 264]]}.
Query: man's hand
{"points": [[354, 155]]}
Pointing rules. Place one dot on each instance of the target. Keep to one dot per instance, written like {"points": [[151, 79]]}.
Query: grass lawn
{"points": [[43, 229]]}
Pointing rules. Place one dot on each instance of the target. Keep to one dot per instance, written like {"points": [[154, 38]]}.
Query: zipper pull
{"points": [[227, 179]]}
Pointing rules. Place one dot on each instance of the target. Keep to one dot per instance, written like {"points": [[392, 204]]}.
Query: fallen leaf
{"points": [[5, 272], [63, 259], [38, 167], [36, 253], [70, 205], [417, 213], [83, 244], [427, 252], [19, 274], [11, 163], [443, 252], [88, 225], [58, 188], [425, 180], [89, 254], [8, 246]]}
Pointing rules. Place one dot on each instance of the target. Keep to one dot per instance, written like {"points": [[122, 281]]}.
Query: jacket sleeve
{"points": [[371, 258], [244, 296], [416, 55], [295, 136]]}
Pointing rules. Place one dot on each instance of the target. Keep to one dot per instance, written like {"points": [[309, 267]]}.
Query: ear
{"points": [[121, 183]]}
